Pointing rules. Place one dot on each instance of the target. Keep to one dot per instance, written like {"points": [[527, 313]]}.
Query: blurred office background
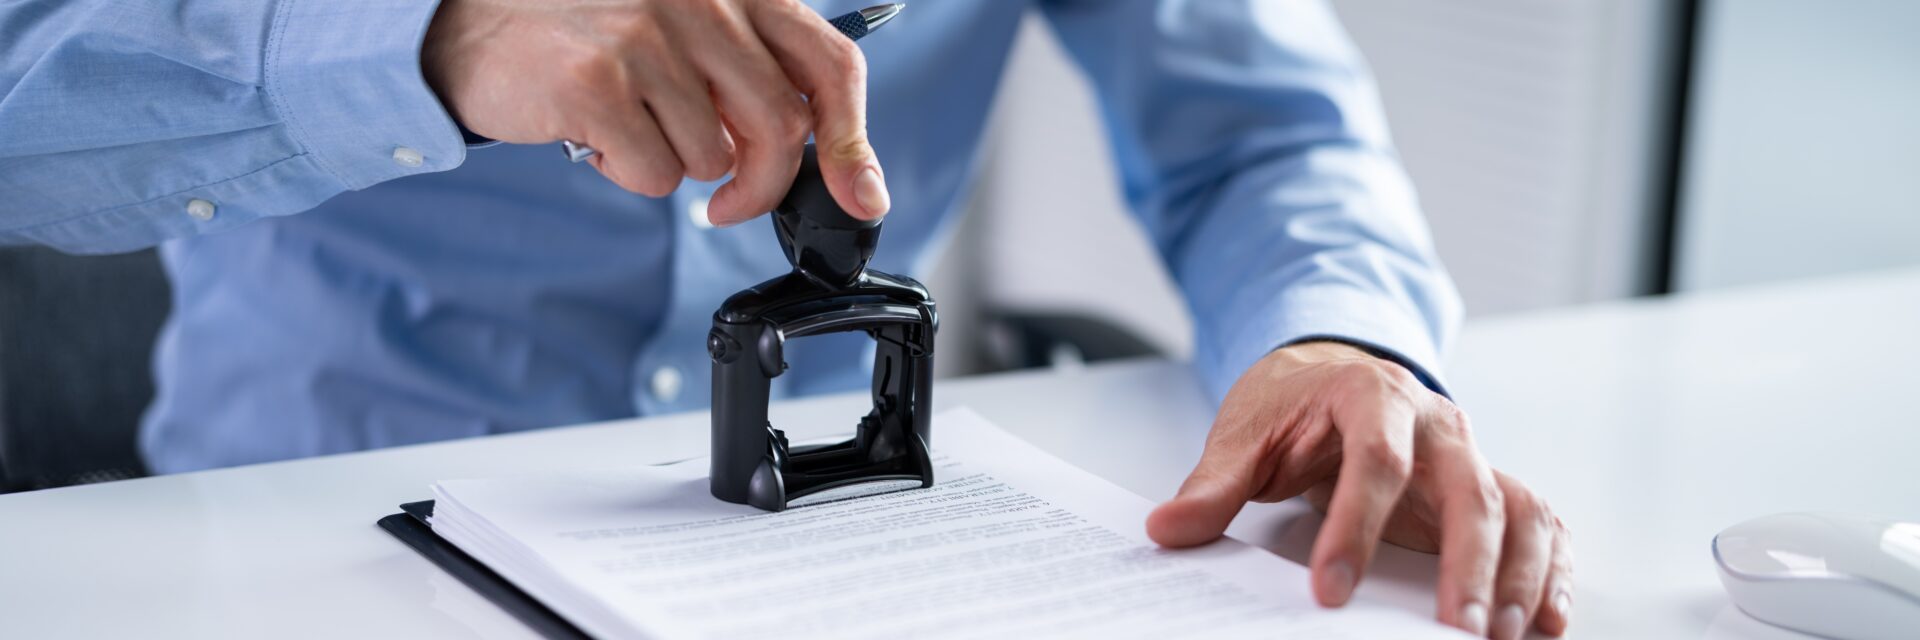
{"points": [[1567, 152]]}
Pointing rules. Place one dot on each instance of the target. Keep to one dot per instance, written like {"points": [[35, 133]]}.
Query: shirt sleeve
{"points": [[1252, 147], [124, 124]]}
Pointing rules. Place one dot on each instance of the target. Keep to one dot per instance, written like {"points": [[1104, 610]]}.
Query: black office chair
{"points": [[1022, 339], [76, 336]]}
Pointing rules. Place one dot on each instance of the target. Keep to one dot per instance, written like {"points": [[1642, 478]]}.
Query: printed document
{"points": [[1010, 542]]}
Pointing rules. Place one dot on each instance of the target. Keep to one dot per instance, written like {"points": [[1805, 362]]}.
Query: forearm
{"points": [[115, 118], [1323, 242]]}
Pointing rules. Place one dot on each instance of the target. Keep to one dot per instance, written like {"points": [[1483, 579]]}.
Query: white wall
{"points": [[1804, 157], [1535, 132]]}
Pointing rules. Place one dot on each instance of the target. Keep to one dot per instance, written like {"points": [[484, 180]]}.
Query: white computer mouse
{"points": [[1828, 574]]}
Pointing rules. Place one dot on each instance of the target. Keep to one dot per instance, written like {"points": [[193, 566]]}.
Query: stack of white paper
{"points": [[1010, 542]]}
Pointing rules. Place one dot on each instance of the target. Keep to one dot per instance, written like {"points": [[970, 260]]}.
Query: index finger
{"points": [[1376, 460], [765, 116], [1472, 518], [831, 70]]}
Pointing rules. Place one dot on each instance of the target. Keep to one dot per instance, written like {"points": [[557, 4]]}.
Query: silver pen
{"points": [[855, 25]]}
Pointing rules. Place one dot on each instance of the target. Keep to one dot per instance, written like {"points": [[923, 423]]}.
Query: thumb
{"points": [[850, 167], [847, 161], [1212, 495]]}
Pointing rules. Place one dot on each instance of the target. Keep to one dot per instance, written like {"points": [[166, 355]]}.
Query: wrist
{"points": [[1320, 350], [450, 53]]}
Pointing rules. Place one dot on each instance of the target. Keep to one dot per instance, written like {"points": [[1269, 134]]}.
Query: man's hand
{"points": [[665, 89], [1384, 458]]}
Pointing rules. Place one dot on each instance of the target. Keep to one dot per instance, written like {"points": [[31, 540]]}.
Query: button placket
{"points": [[680, 344], [666, 383]]}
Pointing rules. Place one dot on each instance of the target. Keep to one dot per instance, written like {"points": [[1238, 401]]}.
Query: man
{"points": [[430, 291]]}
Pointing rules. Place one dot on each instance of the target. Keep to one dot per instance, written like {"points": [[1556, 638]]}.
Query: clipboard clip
{"points": [[830, 290]]}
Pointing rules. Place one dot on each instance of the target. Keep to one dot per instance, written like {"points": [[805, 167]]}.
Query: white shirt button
{"points": [[408, 157], [201, 210], [666, 384], [697, 213]]}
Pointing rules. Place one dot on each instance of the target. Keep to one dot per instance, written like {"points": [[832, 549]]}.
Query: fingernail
{"points": [[1509, 623], [871, 191], [1563, 605], [1473, 618], [1336, 583]]}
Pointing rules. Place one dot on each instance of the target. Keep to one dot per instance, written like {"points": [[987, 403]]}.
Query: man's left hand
{"points": [[1386, 459]]}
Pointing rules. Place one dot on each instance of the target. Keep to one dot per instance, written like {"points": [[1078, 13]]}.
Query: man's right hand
{"points": [[666, 89]]}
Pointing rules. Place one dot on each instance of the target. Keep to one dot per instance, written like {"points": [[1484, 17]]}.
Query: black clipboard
{"points": [[411, 527]]}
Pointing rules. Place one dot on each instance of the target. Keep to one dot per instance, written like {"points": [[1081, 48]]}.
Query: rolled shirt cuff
{"points": [[345, 74], [1377, 324]]}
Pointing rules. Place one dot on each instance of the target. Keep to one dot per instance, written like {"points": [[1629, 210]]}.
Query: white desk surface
{"points": [[1649, 425]]}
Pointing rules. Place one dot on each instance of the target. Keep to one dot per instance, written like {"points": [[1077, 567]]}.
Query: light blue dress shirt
{"points": [[428, 291]]}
